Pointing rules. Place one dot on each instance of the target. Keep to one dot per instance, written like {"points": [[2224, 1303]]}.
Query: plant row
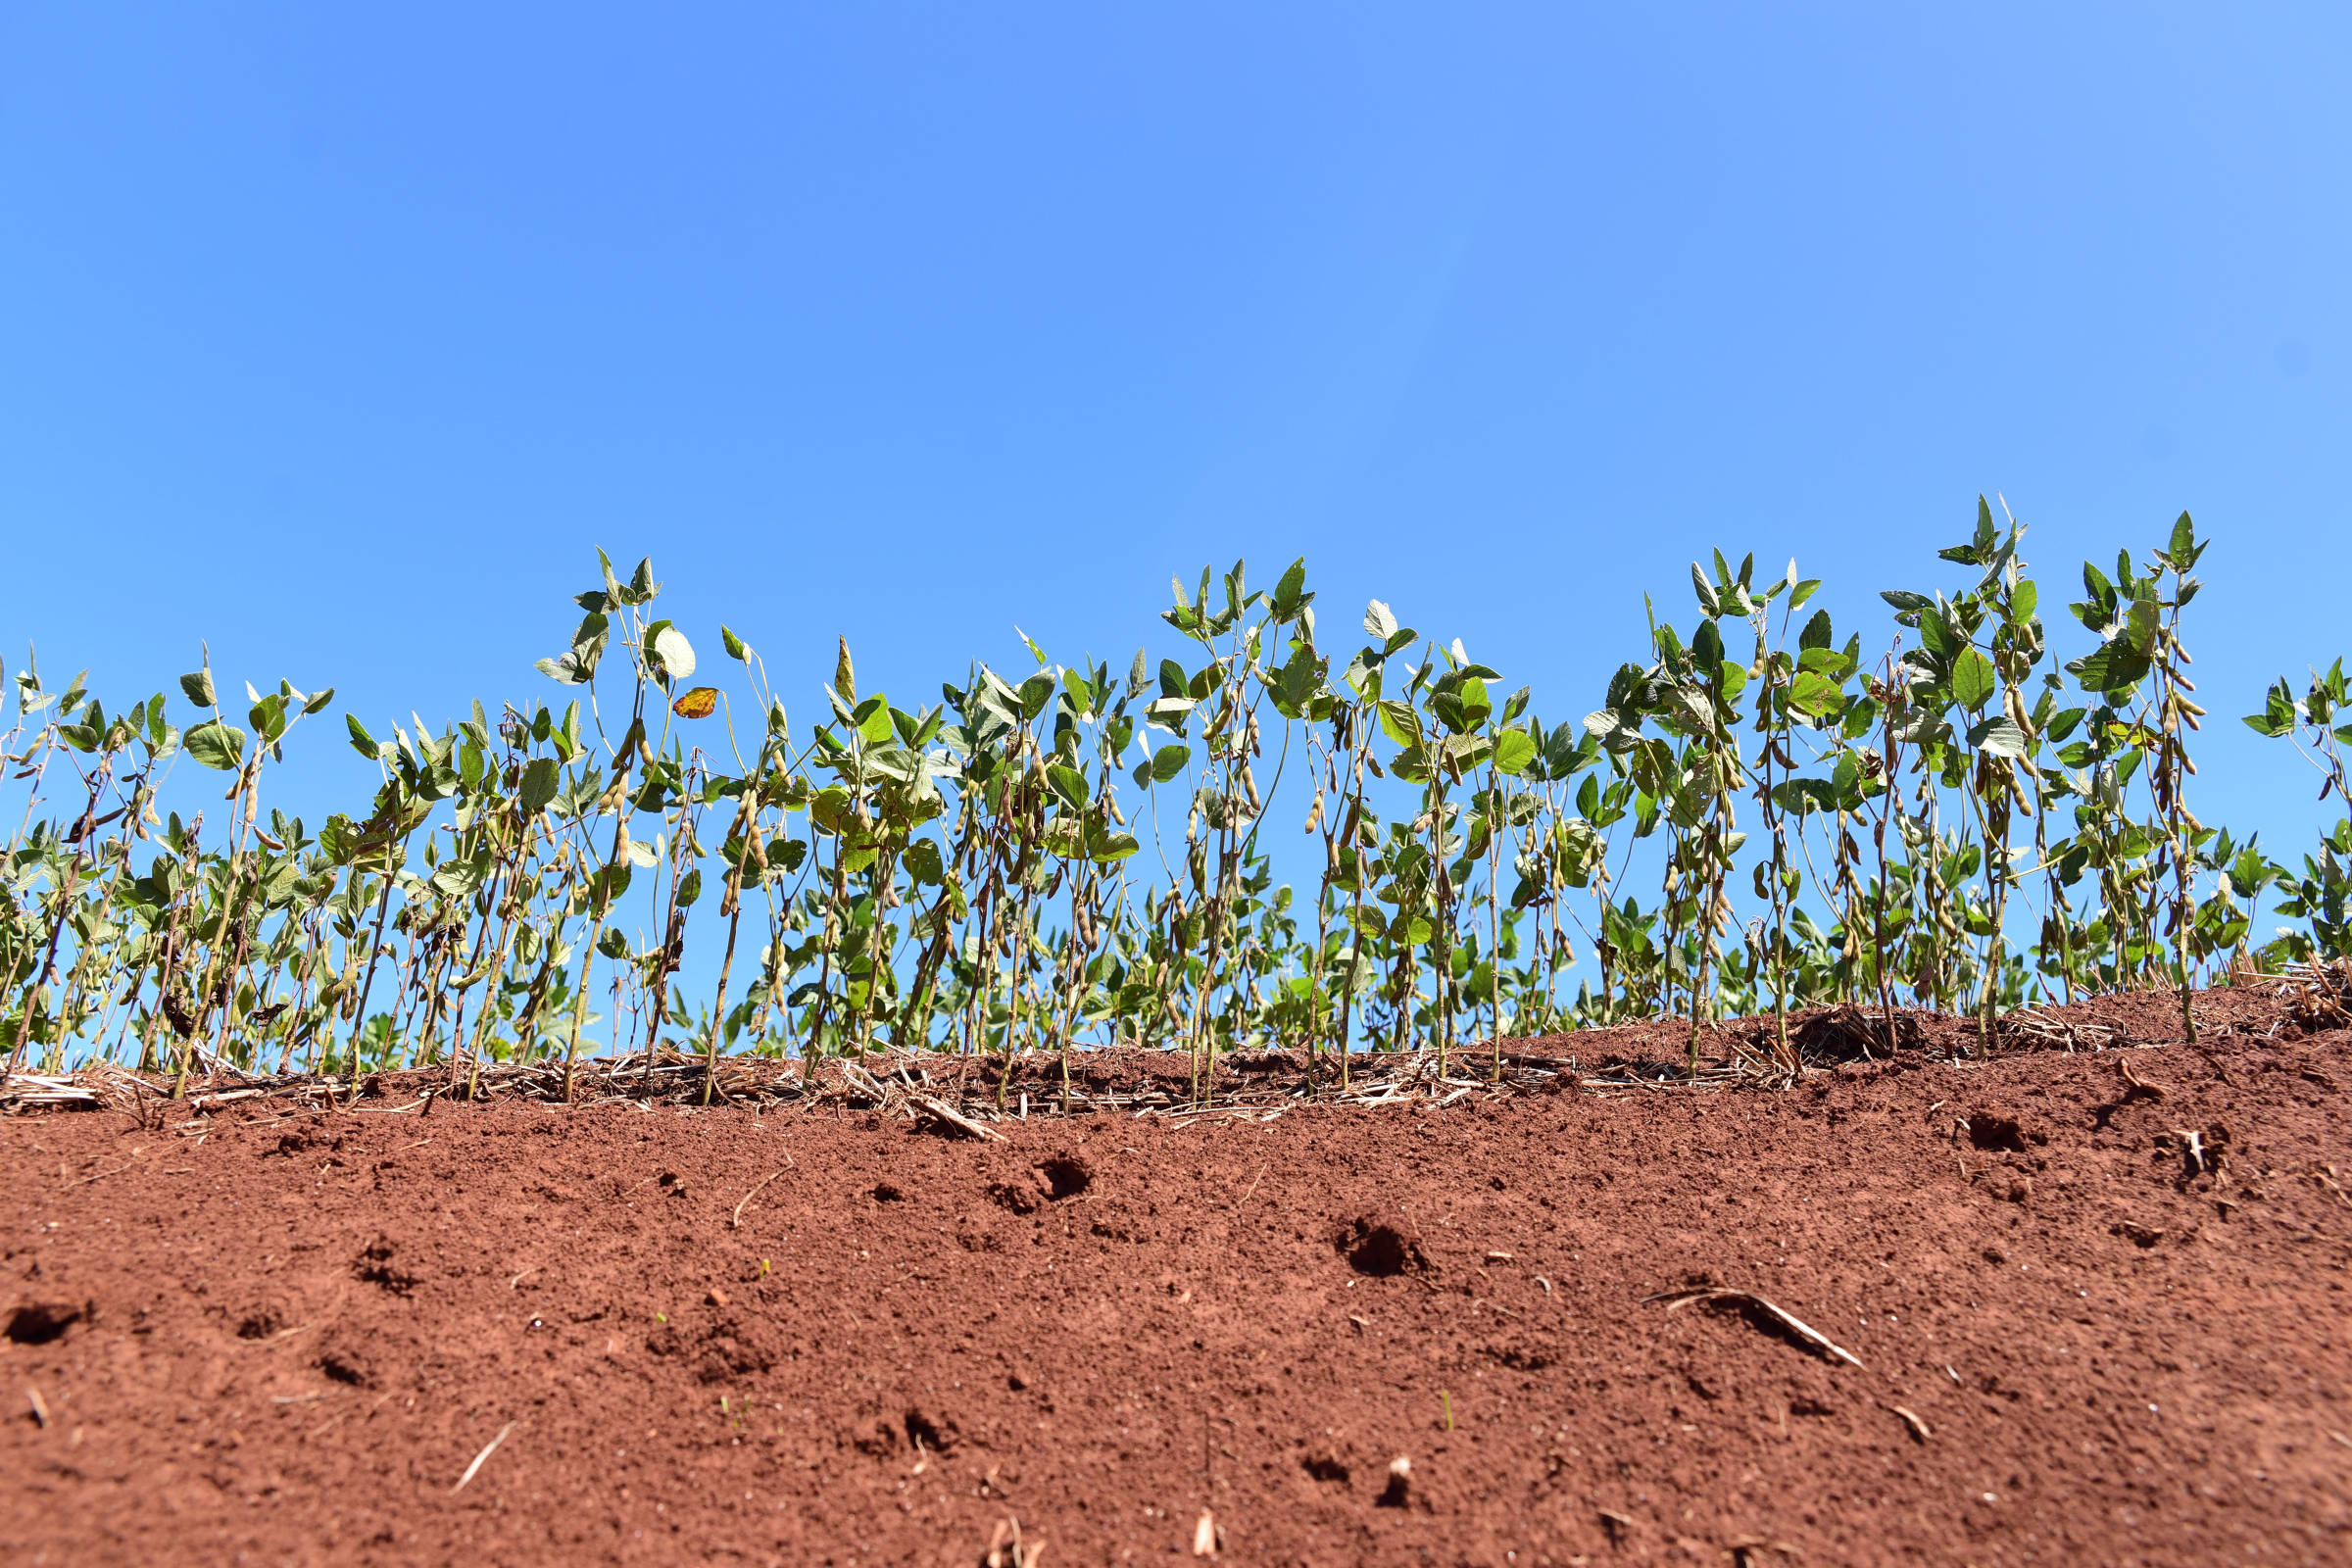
{"points": [[1762, 815]]}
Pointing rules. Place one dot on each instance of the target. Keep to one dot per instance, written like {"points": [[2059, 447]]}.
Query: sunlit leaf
{"points": [[217, 744]]}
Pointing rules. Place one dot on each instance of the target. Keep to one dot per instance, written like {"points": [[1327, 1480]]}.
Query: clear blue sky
{"points": [[340, 337]]}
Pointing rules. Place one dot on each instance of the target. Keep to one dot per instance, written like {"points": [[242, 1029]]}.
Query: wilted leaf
{"points": [[673, 653], [845, 674]]}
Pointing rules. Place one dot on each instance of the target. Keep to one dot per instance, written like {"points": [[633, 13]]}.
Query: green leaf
{"points": [[362, 742], [339, 839], [1105, 848], [1068, 783], [1290, 595], [1936, 634], [199, 687], [1380, 622], [2268, 723], [1400, 722], [1710, 602], [1514, 750], [539, 783], [1169, 761], [1815, 696], [268, 718], [733, 644], [2113, 667], [1999, 736], [218, 746], [1974, 679], [573, 668]]}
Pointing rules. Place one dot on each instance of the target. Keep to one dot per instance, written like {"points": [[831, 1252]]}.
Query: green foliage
{"points": [[1757, 817]]}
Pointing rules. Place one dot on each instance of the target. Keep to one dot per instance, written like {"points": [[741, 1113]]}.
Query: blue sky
{"points": [[341, 338]]}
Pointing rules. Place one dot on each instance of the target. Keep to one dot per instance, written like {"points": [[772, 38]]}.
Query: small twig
{"points": [[41, 1406], [960, 1121], [2134, 1083], [1677, 1299], [487, 1451], [1253, 1187], [1919, 1428], [735, 1223]]}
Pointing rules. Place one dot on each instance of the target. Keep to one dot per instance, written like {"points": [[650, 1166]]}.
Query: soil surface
{"points": [[2059, 1306]]}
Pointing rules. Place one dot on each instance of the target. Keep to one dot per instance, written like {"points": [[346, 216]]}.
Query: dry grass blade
{"points": [[2034, 1026], [1677, 1299], [488, 1450], [735, 1223], [1007, 1550], [1205, 1535]]}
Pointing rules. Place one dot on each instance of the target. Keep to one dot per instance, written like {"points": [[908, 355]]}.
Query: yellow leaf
{"points": [[699, 703]]}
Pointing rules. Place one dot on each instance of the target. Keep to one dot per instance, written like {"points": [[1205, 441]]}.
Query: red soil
{"points": [[285, 1338]]}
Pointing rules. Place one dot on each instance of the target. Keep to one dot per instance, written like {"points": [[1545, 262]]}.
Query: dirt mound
{"points": [[2053, 1307]]}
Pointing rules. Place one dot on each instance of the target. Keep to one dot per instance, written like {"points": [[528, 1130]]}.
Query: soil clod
{"points": [[1996, 1134]]}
